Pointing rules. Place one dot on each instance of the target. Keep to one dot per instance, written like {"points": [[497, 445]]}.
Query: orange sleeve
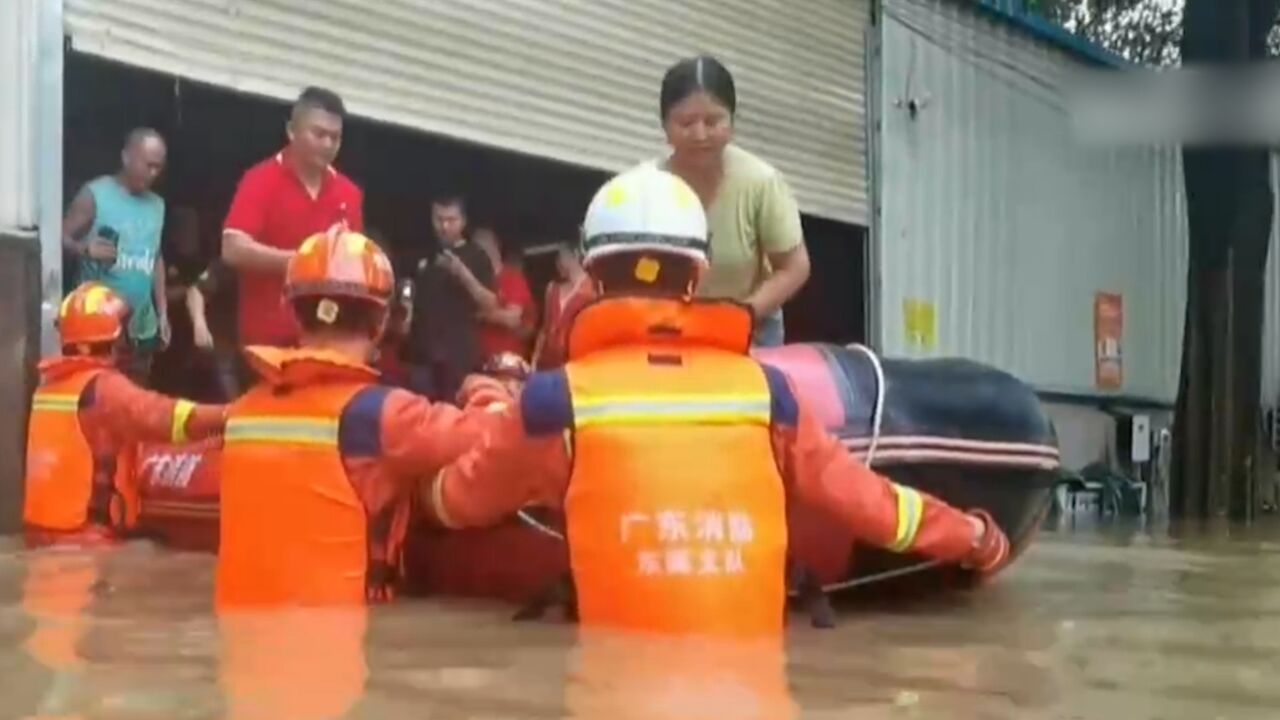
{"points": [[508, 470], [876, 510], [129, 414], [420, 437]]}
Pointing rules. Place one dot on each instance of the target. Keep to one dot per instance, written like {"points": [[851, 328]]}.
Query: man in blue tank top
{"points": [[113, 230]]}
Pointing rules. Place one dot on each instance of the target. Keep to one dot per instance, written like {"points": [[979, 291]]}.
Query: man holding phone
{"points": [[453, 283], [112, 229]]}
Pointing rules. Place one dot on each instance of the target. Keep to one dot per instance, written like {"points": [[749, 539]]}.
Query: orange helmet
{"points": [[93, 313], [340, 263]]}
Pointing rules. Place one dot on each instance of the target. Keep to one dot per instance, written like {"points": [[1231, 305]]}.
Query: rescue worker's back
{"points": [[319, 460], [674, 477], [673, 452], [86, 420]]}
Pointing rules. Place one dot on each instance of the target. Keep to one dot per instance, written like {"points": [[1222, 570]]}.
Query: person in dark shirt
{"points": [[186, 367], [453, 283]]}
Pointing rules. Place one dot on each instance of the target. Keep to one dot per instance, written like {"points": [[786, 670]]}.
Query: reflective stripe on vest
{"points": [[59, 483], [910, 511], [55, 402], [287, 430], [675, 511], [734, 408], [294, 531]]}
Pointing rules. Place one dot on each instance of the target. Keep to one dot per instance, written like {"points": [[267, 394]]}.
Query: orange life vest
{"points": [[292, 529], [61, 469], [676, 512]]}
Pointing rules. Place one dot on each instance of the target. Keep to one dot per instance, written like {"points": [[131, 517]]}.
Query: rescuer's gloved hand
{"points": [[481, 391], [991, 551]]}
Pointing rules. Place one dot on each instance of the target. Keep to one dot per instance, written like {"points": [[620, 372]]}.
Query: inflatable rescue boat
{"points": [[967, 433]]}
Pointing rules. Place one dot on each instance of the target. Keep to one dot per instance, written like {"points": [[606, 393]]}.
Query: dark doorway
{"points": [[215, 134]]}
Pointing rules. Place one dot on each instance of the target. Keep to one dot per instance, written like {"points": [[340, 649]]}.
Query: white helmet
{"points": [[646, 209]]}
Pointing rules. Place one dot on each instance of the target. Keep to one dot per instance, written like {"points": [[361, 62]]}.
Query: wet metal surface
{"points": [[1085, 626]]}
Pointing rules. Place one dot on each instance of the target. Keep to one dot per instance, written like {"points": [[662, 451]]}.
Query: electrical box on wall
{"points": [[1133, 437], [1140, 448]]}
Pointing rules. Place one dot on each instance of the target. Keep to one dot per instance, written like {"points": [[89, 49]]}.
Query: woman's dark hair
{"points": [[358, 317], [703, 73]]}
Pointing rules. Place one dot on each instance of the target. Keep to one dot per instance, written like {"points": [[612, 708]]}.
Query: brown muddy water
{"points": [[1087, 625]]}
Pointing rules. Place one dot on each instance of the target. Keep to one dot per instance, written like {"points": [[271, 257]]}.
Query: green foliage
{"points": [[1148, 32]]}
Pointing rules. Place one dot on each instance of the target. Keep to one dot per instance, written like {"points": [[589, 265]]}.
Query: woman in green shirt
{"points": [[757, 246]]}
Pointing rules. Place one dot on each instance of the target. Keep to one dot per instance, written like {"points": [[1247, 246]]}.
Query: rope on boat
{"points": [[540, 527], [877, 413], [877, 577]]}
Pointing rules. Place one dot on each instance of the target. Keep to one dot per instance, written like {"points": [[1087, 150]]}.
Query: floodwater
{"points": [[1086, 625]]}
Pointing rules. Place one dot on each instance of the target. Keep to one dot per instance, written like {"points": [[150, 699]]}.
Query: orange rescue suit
{"points": [[318, 468], [675, 509], [673, 454], [86, 421]]}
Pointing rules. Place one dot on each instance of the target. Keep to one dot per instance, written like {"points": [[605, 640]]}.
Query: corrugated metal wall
{"points": [[18, 24], [572, 80], [997, 221], [1271, 326]]}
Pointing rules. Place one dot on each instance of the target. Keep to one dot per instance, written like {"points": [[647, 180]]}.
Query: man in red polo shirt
{"points": [[278, 204], [511, 326]]}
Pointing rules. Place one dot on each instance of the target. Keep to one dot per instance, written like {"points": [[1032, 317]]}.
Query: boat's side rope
{"points": [[877, 412], [877, 419], [540, 527], [877, 577]]}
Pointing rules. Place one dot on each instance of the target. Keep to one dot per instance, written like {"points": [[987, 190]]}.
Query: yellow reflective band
{"points": [[181, 413], [55, 403], [683, 409], [287, 430], [910, 510]]}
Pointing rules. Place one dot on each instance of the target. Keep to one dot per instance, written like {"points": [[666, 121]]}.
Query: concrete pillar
{"points": [[30, 218]]}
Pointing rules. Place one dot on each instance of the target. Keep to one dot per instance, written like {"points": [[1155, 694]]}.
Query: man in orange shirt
{"points": [[87, 419], [672, 452]]}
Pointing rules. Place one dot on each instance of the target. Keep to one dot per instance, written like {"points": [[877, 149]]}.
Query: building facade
{"points": [[942, 126]]}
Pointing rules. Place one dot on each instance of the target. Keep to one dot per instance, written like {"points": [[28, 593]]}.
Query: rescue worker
{"points": [[319, 461], [673, 452], [87, 419]]}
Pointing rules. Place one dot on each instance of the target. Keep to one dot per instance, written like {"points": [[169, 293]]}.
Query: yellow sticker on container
{"points": [[920, 318], [647, 269]]}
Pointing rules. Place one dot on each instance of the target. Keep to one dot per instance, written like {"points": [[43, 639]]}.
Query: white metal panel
{"points": [[48, 141], [1270, 389], [18, 19], [572, 80], [996, 214]]}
